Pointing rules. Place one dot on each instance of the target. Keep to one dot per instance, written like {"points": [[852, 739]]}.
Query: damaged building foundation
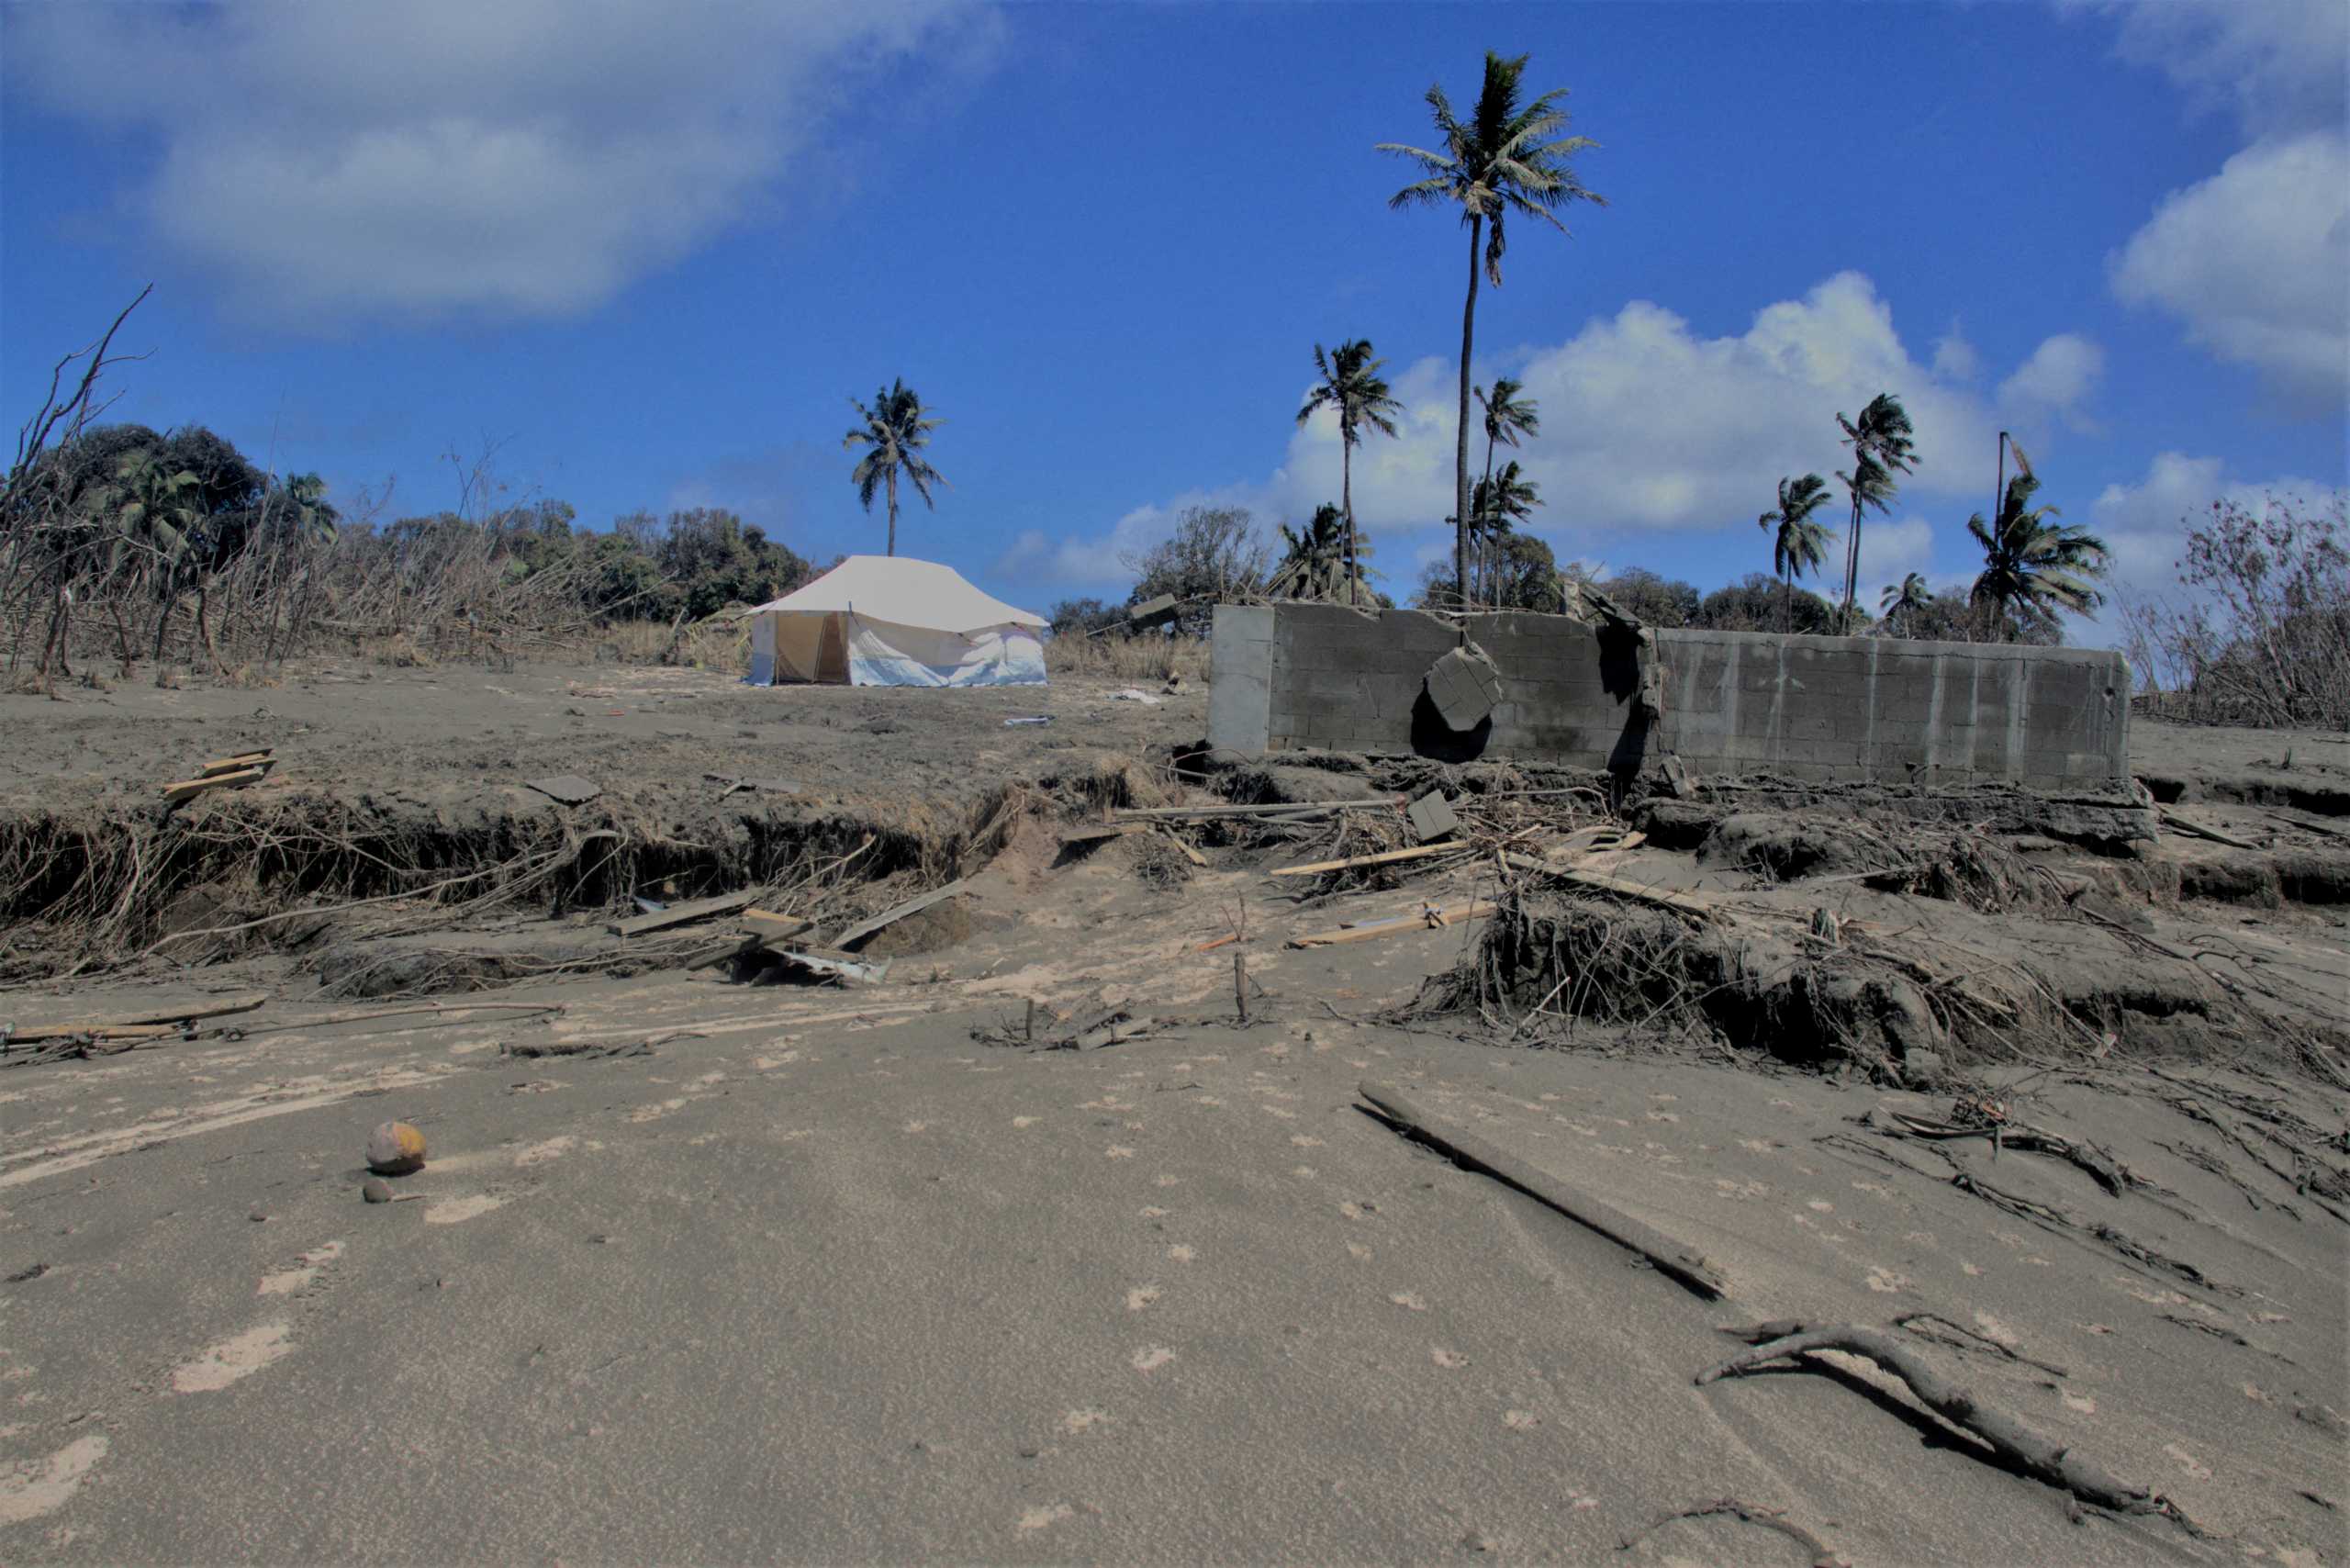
{"points": [[1609, 694]]}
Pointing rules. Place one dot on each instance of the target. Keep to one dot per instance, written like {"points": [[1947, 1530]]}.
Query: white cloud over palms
{"points": [[520, 157]]}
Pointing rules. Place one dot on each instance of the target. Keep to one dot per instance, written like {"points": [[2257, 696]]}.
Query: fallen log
{"points": [[2014, 1443], [1669, 1256]]}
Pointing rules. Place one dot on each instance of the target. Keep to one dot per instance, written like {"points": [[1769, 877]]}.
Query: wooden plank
{"points": [[2197, 830], [1426, 920], [765, 923], [1171, 813], [1384, 858], [188, 789], [682, 914], [152, 1023], [866, 928], [1194, 855], [243, 759], [1683, 1263]]}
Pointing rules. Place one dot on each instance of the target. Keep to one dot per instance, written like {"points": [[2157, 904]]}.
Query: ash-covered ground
{"points": [[714, 1263]]}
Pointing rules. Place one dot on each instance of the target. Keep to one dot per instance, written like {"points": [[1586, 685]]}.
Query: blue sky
{"points": [[650, 252]]}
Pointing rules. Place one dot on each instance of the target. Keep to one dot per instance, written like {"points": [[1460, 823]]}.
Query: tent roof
{"points": [[909, 592]]}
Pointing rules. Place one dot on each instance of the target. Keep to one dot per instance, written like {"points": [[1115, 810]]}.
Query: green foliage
{"points": [[1214, 554], [1904, 603], [1799, 545], [896, 428], [1313, 564], [1759, 602], [2034, 569], [1076, 617], [1658, 600], [1521, 573]]}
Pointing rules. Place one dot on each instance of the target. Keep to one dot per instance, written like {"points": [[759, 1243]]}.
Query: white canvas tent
{"points": [[887, 621]]}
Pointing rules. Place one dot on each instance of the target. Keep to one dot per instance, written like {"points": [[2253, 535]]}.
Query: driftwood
{"points": [[1417, 852], [2015, 1443], [1271, 808], [682, 914], [152, 1024], [1669, 1256]]}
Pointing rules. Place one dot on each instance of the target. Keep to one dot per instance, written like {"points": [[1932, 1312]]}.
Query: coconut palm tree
{"points": [[1906, 600], [1801, 542], [1880, 439], [1316, 564], [1507, 417], [1501, 503], [1351, 384], [897, 427], [1505, 158], [2032, 568], [154, 513]]}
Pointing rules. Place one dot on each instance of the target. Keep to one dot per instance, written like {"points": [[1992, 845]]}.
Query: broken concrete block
{"points": [[1464, 687], [1431, 817]]}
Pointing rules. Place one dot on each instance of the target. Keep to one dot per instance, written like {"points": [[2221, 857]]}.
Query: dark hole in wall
{"points": [[1620, 676], [1431, 737]]}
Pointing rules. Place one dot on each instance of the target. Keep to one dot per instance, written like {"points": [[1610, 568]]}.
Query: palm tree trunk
{"points": [[1489, 490], [1787, 619], [893, 511], [1851, 570], [1460, 432], [1347, 502]]}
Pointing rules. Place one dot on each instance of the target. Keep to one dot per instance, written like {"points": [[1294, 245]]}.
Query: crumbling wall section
{"points": [[1830, 709]]}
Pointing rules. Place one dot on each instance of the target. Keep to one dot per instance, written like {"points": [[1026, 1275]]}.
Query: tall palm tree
{"points": [[1801, 542], [1315, 564], [897, 427], [1351, 384], [1906, 600], [1507, 417], [1880, 439], [1505, 159], [2032, 568]]}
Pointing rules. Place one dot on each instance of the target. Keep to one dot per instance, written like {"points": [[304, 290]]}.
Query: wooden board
{"points": [[866, 928], [682, 914], [1383, 858], [767, 923], [188, 789], [243, 759], [1683, 1263], [1697, 904], [1096, 834], [1174, 814]]}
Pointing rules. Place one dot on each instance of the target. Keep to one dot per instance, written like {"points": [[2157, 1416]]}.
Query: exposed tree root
{"points": [[1822, 1554], [2014, 1443]]}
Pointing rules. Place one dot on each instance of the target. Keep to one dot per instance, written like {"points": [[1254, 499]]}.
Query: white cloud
{"points": [[1646, 427], [527, 156], [1955, 357], [2277, 64], [2056, 380], [2252, 260]]}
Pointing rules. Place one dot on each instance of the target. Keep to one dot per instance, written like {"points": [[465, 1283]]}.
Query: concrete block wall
{"points": [[1828, 708]]}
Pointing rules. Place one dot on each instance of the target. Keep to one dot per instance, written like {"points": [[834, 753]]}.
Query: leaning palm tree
{"points": [[1316, 564], [1801, 543], [1507, 417], [1505, 159], [2032, 568], [1351, 384], [897, 427], [1880, 439], [1906, 600]]}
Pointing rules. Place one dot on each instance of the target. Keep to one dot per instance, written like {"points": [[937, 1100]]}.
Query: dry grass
{"points": [[1143, 658]]}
